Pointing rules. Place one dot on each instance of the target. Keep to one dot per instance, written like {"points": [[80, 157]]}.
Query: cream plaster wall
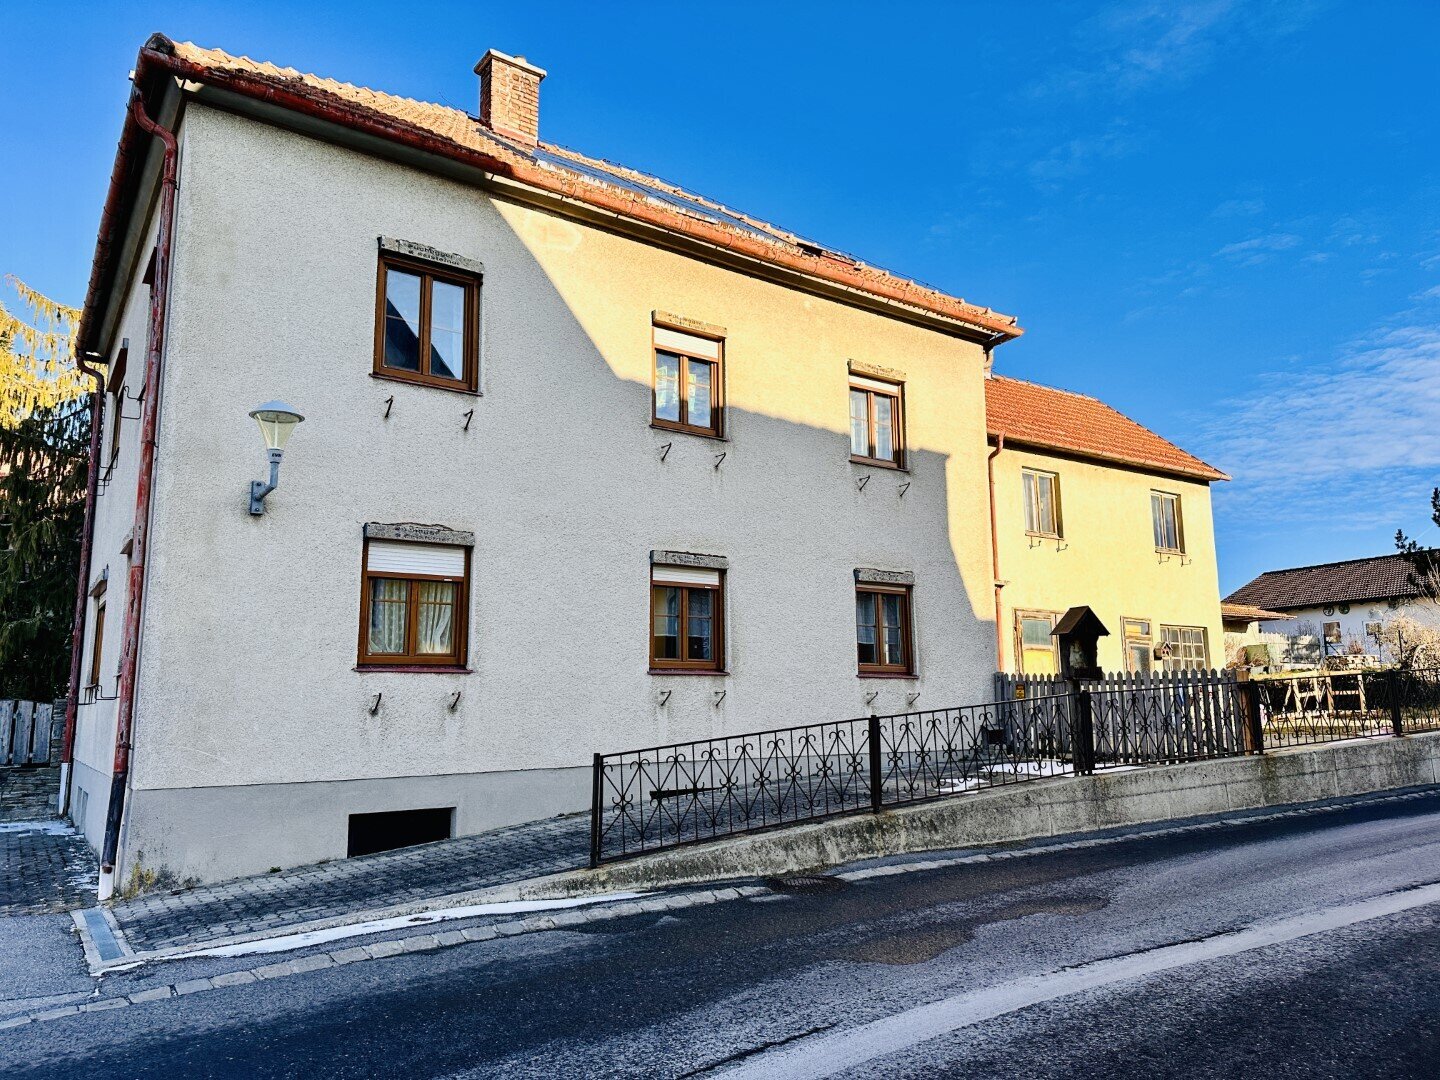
{"points": [[1107, 558], [250, 641]]}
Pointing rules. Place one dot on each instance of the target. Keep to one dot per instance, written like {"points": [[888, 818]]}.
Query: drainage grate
{"points": [[806, 883]]}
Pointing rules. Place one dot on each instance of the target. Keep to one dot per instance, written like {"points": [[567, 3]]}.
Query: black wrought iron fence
{"points": [[666, 796]]}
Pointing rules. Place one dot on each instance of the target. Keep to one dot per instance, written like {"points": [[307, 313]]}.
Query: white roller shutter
{"points": [[684, 575], [874, 384], [433, 560], [665, 338]]}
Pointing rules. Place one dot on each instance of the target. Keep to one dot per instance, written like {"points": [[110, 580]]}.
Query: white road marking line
{"points": [[826, 1055]]}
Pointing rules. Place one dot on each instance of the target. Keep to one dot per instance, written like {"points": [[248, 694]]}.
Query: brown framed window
{"points": [[687, 618], [97, 644], [1035, 646], [414, 604], [1042, 503], [1188, 648], [117, 399], [688, 382], [1139, 646], [883, 629], [877, 429], [1168, 525], [427, 325]]}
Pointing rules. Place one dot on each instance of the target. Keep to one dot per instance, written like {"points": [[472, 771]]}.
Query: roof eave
{"points": [[1207, 473]]}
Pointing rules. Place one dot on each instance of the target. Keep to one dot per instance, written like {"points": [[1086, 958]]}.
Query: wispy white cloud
{"points": [[1130, 46], [1239, 208], [1258, 249], [1342, 446]]}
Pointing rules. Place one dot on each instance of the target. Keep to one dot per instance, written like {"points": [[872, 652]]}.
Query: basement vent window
{"points": [[393, 829]]}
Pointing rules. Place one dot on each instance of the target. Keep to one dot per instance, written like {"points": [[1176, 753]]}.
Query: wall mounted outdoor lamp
{"points": [[277, 422]]}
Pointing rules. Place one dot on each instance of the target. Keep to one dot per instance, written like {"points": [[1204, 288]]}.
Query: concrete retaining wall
{"points": [[1039, 809]]}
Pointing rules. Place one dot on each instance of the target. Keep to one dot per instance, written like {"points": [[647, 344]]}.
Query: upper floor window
{"points": [[688, 382], [1165, 517], [428, 325], [414, 604], [877, 433], [1042, 502], [882, 629], [1186, 648], [687, 618]]}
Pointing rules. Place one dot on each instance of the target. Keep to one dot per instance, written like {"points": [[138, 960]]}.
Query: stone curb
{"points": [[380, 950]]}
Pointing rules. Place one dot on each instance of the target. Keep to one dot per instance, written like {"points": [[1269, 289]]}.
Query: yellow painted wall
{"points": [[1106, 558]]}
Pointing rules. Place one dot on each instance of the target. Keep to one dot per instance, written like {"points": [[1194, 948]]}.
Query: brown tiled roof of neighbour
{"points": [[1384, 577], [1041, 416], [597, 183], [1249, 613]]}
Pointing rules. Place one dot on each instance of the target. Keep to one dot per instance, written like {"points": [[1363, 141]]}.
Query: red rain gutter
{"points": [[134, 601], [291, 95], [995, 554], [82, 585]]}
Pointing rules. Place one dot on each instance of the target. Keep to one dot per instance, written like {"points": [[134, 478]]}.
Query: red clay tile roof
{"points": [[1249, 613], [1384, 577], [590, 180], [1033, 415]]}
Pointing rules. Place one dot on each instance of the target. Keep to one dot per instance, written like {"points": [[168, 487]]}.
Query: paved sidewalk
{"points": [[273, 902], [45, 866]]}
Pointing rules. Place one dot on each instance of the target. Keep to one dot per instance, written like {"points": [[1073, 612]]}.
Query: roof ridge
{"points": [[1345, 562], [1061, 390]]}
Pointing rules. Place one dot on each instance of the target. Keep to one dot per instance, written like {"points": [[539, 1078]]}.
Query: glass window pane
{"points": [[389, 614], [1036, 632], [667, 387], [402, 320], [698, 399], [435, 618], [865, 636], [859, 423], [666, 630], [1031, 524], [447, 330], [884, 427], [700, 625], [1046, 505]]}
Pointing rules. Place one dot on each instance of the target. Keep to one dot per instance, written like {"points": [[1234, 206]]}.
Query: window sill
{"points": [[425, 385], [886, 675], [1169, 551], [417, 669], [685, 671], [681, 429], [1044, 535], [877, 463]]}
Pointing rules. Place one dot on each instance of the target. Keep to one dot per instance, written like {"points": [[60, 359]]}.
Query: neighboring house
{"points": [[1334, 608], [1246, 639], [1091, 508], [588, 463], [679, 473]]}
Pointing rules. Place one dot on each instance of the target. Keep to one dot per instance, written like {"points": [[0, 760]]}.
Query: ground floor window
{"points": [[1139, 647], [414, 604], [687, 618], [1035, 647], [882, 629], [1186, 648]]}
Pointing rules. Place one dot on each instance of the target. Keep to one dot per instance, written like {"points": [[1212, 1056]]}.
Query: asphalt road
{"points": [[1305, 946]]}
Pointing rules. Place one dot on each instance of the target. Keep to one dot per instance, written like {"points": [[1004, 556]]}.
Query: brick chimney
{"points": [[510, 96]]}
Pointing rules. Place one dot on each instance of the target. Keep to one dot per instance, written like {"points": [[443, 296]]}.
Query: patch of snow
{"points": [[47, 827]]}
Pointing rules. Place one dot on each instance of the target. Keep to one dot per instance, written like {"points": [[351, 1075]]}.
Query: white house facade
{"points": [[580, 470]]}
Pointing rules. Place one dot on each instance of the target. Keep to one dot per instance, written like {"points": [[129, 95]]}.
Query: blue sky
{"points": [[1221, 217]]}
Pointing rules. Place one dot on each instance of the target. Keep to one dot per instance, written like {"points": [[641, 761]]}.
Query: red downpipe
{"points": [[995, 555], [134, 600], [82, 586]]}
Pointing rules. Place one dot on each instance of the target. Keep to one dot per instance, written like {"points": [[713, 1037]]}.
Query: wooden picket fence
{"points": [[28, 731]]}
